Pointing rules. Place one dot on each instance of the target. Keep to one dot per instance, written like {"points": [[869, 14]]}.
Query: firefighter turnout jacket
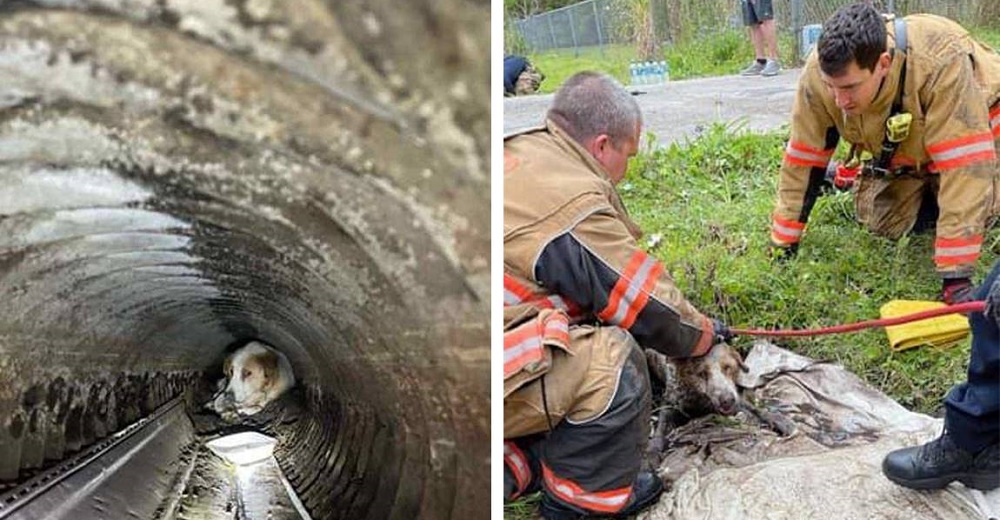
{"points": [[571, 255], [952, 89]]}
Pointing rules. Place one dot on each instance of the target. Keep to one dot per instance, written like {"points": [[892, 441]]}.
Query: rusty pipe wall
{"points": [[176, 176]]}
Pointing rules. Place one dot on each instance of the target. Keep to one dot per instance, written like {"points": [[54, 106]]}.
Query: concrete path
{"points": [[681, 108]]}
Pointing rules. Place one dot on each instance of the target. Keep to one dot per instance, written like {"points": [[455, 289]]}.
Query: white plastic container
{"points": [[810, 35]]}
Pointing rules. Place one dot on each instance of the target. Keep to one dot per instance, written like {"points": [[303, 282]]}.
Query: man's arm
{"points": [[813, 140], [598, 265], [962, 151]]}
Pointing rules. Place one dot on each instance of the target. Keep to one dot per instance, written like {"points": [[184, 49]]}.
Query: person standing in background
{"points": [[758, 16]]}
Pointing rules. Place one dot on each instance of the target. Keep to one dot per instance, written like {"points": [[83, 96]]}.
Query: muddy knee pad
{"points": [[888, 208], [604, 451]]}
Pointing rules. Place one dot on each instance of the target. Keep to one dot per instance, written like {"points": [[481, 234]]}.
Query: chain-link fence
{"points": [[586, 24], [602, 22]]}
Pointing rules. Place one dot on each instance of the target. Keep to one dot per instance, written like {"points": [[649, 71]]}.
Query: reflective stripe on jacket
{"points": [[952, 81], [523, 345], [567, 234], [609, 501], [519, 466]]}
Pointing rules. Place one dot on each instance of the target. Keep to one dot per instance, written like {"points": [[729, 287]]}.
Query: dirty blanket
{"points": [[829, 468]]}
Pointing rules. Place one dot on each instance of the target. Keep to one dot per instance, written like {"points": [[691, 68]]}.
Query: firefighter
{"points": [[581, 299], [918, 100], [968, 450]]}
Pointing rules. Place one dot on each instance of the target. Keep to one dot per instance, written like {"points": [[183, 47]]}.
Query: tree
{"points": [[525, 8], [639, 29]]}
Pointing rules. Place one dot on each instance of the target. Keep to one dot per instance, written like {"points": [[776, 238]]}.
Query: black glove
{"points": [[721, 331], [957, 290], [782, 254]]}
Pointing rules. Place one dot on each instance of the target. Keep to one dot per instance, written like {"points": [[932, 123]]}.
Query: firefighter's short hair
{"points": [[589, 104], [857, 33]]}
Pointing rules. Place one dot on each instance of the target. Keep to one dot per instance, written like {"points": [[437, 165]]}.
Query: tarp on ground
{"points": [[829, 468]]}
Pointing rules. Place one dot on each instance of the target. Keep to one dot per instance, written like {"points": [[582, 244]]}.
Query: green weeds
{"points": [[708, 202], [716, 54], [710, 199], [559, 65]]}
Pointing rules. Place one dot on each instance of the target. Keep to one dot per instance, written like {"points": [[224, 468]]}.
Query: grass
{"points": [[523, 509], [718, 54], [987, 35], [559, 65], [710, 198]]}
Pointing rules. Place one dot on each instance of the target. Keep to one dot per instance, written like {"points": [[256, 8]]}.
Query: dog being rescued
{"points": [[255, 375], [690, 388]]}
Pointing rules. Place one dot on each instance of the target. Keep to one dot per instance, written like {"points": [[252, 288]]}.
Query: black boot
{"points": [[645, 491], [648, 488], [552, 509], [935, 464]]}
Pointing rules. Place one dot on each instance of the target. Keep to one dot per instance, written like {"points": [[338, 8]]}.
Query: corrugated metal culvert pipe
{"points": [[178, 176]]}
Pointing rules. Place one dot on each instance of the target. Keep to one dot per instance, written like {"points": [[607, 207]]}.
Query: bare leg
{"points": [[769, 39], [756, 37]]}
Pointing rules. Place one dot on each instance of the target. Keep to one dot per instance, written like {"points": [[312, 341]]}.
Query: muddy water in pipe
{"points": [[177, 177]]}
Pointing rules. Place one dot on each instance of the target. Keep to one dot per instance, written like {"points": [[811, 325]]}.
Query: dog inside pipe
{"points": [[255, 375], [178, 178]]}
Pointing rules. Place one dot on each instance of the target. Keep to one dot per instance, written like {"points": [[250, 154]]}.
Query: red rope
{"points": [[884, 322]]}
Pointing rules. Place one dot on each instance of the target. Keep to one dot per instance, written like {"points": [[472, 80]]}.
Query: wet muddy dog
{"points": [[686, 388]]}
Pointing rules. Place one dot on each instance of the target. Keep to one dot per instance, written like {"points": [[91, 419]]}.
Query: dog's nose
{"points": [[727, 405]]}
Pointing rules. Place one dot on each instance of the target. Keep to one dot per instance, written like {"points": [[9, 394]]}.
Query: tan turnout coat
{"points": [[952, 89], [553, 189]]}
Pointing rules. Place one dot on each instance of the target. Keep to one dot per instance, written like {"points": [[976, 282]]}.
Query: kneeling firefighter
{"points": [[581, 299], [918, 100]]}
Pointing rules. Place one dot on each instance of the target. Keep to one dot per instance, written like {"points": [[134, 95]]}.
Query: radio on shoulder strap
{"points": [[897, 126]]}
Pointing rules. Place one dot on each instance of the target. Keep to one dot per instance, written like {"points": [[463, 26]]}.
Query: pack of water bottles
{"points": [[649, 72]]}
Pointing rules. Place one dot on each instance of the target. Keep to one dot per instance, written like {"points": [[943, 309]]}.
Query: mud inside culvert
{"points": [[176, 177]]}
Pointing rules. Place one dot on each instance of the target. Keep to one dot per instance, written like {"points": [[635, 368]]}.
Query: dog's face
{"points": [[255, 376], [250, 375], [713, 376]]}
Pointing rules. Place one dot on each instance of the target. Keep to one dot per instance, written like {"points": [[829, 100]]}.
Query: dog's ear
{"points": [[227, 367], [733, 353], [269, 364]]}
